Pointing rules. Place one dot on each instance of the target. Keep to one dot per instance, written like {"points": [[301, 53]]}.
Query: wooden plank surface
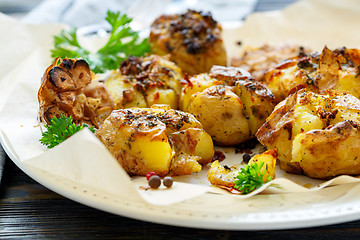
{"points": [[30, 211]]}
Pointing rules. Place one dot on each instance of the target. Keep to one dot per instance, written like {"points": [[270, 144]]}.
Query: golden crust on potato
{"points": [[225, 176], [67, 88], [222, 175], [157, 139], [258, 60], [220, 111], [315, 134], [193, 41], [144, 81], [269, 158], [229, 105], [193, 85], [317, 72]]}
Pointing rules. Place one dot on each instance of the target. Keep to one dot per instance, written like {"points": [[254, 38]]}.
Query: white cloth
{"points": [[75, 13], [80, 13]]}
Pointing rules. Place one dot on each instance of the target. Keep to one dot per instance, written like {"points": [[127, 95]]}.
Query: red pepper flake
{"points": [[230, 189], [186, 81], [144, 188]]}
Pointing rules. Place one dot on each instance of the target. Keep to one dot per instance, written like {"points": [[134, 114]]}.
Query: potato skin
{"points": [[315, 134], [259, 60], [220, 111], [195, 84], [317, 72], [193, 41], [330, 152], [220, 176], [258, 101], [145, 81], [225, 176], [269, 158], [193, 148], [123, 130], [157, 139], [229, 105]]}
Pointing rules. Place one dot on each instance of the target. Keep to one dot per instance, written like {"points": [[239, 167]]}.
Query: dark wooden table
{"points": [[31, 211]]}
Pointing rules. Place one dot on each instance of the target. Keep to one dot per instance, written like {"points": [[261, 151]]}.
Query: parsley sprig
{"points": [[59, 130], [123, 42], [250, 177]]}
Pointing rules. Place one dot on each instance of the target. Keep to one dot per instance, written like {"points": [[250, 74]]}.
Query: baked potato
{"points": [[269, 158], [231, 112], [316, 134], [225, 176], [144, 81], [195, 84], [193, 41], [67, 87], [157, 139], [258, 60], [317, 72]]}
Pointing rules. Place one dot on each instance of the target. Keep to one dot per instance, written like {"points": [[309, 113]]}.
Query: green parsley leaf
{"points": [[59, 130], [122, 43], [250, 178]]}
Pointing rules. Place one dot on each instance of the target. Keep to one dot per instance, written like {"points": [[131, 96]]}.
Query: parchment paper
{"points": [[84, 160]]}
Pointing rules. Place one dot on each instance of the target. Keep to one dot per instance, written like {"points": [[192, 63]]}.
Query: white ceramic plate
{"points": [[211, 211]]}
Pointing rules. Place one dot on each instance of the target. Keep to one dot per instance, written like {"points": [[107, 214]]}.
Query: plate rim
{"points": [[121, 207]]}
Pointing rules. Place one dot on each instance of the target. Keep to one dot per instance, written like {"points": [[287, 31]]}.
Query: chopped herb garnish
{"points": [[122, 43], [250, 178], [59, 130]]}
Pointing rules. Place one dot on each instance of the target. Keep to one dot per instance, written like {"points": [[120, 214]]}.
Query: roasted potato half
{"points": [[144, 81], [157, 139], [269, 158], [318, 72], [193, 41], [231, 112], [225, 176], [193, 85], [67, 87], [315, 134], [220, 175], [258, 60], [220, 111]]}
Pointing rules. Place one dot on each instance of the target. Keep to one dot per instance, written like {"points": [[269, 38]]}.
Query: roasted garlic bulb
{"points": [[315, 134], [157, 139], [144, 81], [230, 106], [317, 72], [193, 41], [67, 88]]}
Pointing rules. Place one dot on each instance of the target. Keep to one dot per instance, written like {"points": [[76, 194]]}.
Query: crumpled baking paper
{"points": [[82, 158]]}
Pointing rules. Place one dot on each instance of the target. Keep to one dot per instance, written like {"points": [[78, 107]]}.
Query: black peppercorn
{"points": [[154, 181], [246, 157], [168, 181]]}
